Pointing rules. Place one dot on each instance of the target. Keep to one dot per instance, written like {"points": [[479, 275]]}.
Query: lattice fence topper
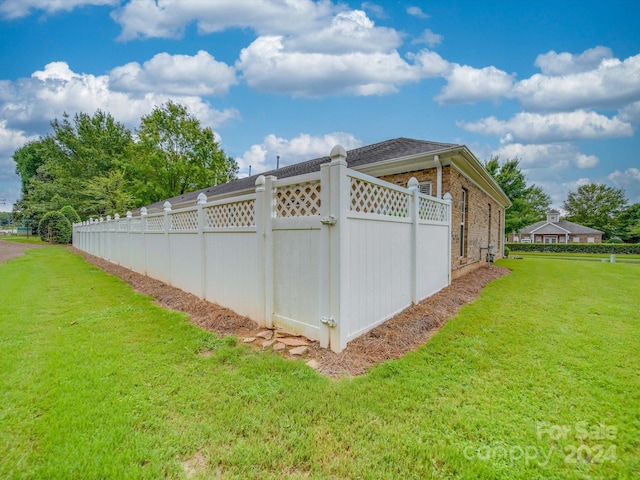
{"points": [[135, 225], [298, 200], [155, 224], [433, 211], [371, 198], [237, 214], [184, 221]]}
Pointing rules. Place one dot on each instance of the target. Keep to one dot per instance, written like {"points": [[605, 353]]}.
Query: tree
{"points": [[628, 224], [55, 170], [529, 203], [54, 227], [109, 194], [595, 205], [71, 214], [175, 155]]}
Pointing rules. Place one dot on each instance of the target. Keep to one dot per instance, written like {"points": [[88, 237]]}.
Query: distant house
{"points": [[554, 230]]}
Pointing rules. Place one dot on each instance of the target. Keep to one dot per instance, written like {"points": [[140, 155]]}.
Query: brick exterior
{"points": [[479, 232]]}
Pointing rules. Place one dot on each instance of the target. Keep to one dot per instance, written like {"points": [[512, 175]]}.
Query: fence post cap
{"points": [[202, 199], [337, 152], [108, 218], [447, 197], [413, 184], [129, 214], [116, 216], [166, 206], [101, 219], [143, 211]]}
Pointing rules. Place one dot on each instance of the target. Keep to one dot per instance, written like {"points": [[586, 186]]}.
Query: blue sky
{"points": [[555, 83]]}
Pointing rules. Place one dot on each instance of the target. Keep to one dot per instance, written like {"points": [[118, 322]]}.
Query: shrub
{"points": [[617, 248], [71, 214], [614, 240], [54, 227], [506, 251]]}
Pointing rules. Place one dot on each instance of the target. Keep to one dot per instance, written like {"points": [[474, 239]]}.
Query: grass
{"points": [[536, 379], [623, 258], [33, 239]]}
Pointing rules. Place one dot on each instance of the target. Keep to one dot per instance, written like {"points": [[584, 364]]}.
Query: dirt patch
{"points": [[9, 250], [396, 337]]}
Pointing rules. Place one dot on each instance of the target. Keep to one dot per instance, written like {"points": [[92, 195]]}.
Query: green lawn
{"points": [[596, 257], [538, 378]]}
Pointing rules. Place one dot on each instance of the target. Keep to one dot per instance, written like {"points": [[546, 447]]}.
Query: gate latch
{"points": [[330, 220]]}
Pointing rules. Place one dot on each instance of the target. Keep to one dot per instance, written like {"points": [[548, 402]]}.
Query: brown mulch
{"points": [[9, 250], [401, 334]]}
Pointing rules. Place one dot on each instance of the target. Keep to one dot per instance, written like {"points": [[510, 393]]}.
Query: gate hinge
{"points": [[329, 321], [330, 220]]}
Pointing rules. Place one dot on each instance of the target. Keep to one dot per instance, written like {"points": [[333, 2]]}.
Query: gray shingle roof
{"points": [[378, 152], [573, 228]]}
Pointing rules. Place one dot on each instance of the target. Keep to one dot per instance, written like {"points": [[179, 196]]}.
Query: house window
{"points": [[549, 239], [591, 240], [576, 239], [425, 187], [463, 219]]}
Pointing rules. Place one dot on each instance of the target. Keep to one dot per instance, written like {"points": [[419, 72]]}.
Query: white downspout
{"points": [[436, 160]]}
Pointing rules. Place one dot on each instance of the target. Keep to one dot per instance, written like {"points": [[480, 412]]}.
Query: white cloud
{"points": [[167, 19], [429, 38], [612, 84], [630, 113], [538, 128], [586, 161], [416, 12], [629, 180], [12, 9], [375, 9], [268, 64], [200, 74], [262, 157], [10, 141], [552, 63], [30, 103], [466, 84]]}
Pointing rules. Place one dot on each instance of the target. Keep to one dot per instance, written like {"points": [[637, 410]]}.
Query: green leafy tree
{"points": [[628, 224], [595, 205], [54, 227], [109, 194], [529, 202], [56, 170], [175, 155]]}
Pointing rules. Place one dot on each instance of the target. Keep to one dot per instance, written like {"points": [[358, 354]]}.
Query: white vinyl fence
{"points": [[329, 255]]}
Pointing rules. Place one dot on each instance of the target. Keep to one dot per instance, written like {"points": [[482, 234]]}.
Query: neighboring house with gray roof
{"points": [[554, 230], [478, 202]]}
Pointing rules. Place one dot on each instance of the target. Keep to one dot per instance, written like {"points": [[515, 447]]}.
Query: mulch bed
{"points": [[403, 333]]}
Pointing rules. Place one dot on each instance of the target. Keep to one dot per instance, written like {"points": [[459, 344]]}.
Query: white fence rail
{"points": [[329, 255]]}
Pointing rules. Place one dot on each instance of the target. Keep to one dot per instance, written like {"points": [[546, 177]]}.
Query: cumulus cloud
{"points": [[466, 84], [269, 65], [538, 128], [12, 9], [630, 113], [200, 74], [10, 141], [612, 84], [429, 38], [29, 103], [552, 63], [416, 12], [262, 157], [168, 19], [629, 180]]}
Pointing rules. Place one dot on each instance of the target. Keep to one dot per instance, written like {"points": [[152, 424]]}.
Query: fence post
{"points": [[323, 255], [118, 251], [414, 211], [202, 200], [338, 248], [143, 240], [128, 242], [264, 231], [166, 208], [447, 198]]}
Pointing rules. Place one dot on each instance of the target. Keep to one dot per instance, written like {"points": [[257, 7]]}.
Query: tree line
{"points": [[98, 166], [593, 205]]}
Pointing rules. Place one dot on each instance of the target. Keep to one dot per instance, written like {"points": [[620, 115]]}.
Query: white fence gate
{"points": [[329, 255]]}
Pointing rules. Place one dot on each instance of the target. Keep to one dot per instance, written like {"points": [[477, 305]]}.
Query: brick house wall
{"points": [[483, 220]]}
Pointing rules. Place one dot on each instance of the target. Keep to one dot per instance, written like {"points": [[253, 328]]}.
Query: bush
{"points": [[616, 248], [506, 251], [71, 214], [54, 227]]}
